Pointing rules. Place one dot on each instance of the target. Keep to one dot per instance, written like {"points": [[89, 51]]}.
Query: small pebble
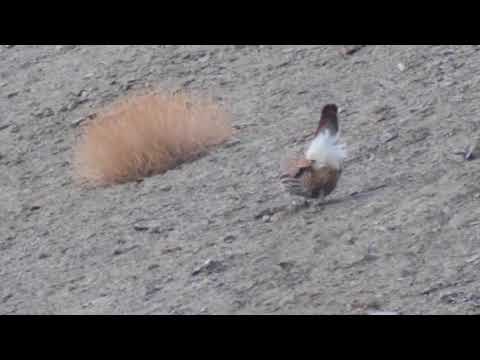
{"points": [[46, 112], [138, 227], [229, 239], [286, 265], [153, 266], [208, 266], [473, 151], [275, 217], [347, 238], [170, 250], [389, 136], [79, 121]]}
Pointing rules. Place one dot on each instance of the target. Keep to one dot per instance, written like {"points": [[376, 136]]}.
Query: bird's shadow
{"points": [[319, 206], [357, 195]]}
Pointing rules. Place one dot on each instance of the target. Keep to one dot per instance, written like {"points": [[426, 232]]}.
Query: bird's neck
{"points": [[325, 151]]}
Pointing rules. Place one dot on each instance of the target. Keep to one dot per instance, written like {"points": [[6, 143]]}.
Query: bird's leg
{"points": [[320, 201]]}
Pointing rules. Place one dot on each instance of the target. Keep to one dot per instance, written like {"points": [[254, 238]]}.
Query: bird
{"points": [[315, 174]]}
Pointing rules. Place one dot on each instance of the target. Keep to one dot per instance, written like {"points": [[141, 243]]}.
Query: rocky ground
{"points": [[217, 236]]}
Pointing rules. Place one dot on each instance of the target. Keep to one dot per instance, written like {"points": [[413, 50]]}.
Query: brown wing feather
{"points": [[312, 183], [324, 180], [295, 167], [293, 177]]}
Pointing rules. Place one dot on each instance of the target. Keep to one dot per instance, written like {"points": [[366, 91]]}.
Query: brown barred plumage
{"points": [[307, 178]]}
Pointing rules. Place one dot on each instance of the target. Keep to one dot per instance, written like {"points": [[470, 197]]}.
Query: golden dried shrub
{"points": [[147, 134]]}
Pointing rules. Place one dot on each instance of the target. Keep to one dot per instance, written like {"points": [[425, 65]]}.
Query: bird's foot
{"points": [[320, 203], [298, 205]]}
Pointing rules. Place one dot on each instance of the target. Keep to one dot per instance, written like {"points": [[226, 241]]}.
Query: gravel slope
{"points": [[218, 235]]}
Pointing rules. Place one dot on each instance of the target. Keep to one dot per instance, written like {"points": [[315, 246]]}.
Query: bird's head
{"points": [[328, 120]]}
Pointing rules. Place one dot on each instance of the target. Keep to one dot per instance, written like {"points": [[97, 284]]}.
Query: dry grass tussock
{"points": [[147, 134]]}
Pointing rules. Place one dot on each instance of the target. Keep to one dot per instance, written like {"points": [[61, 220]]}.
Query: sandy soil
{"points": [[217, 236]]}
